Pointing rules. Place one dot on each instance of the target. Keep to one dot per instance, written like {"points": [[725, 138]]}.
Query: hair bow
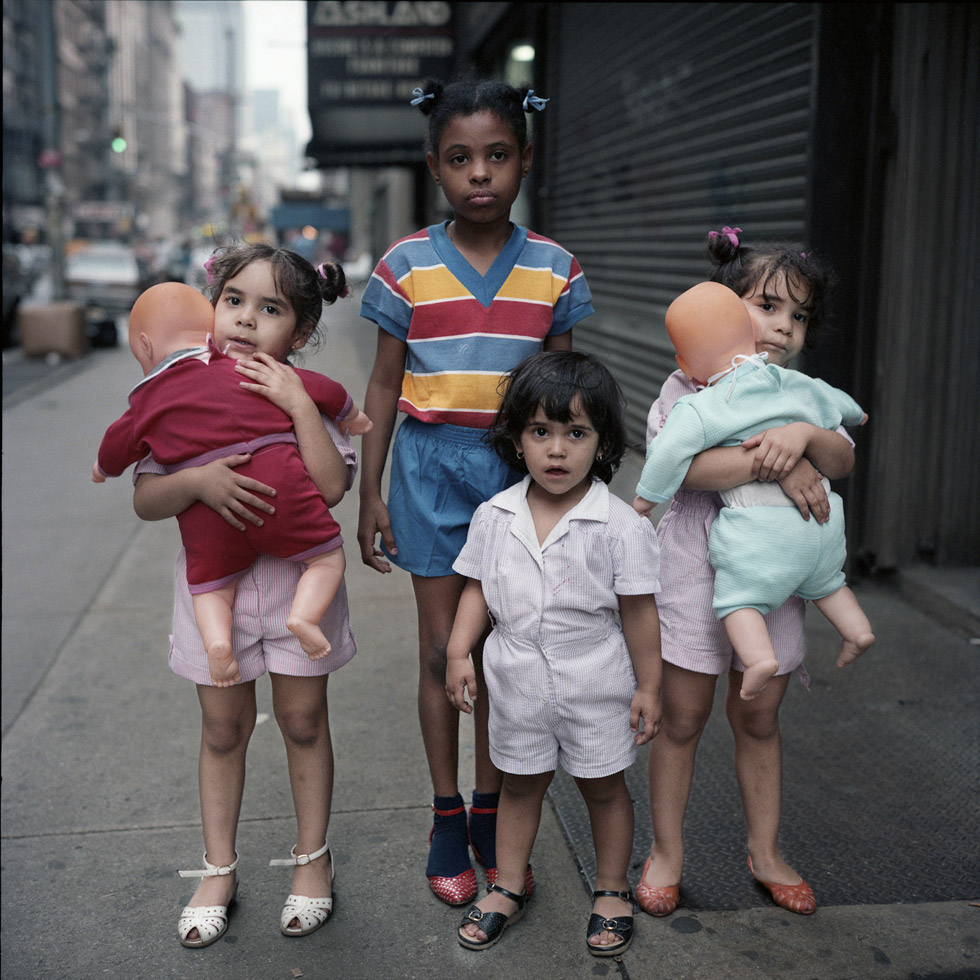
{"points": [[421, 96], [730, 233], [532, 101], [209, 275]]}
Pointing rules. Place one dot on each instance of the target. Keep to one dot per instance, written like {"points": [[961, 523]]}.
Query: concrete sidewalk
{"points": [[100, 743]]}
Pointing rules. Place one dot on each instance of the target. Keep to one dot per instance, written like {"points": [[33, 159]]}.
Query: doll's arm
{"points": [[641, 628], [468, 626], [356, 423], [119, 449], [381, 404]]}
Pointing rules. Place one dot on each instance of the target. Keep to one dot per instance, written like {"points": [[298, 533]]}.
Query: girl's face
{"points": [[479, 166], [251, 317], [559, 455], [782, 320]]}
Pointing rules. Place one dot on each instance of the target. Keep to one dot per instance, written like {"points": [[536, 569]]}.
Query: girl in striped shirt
{"points": [[566, 574], [458, 305]]}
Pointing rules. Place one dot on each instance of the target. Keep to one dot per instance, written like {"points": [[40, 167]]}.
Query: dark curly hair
{"points": [[470, 95], [556, 380], [742, 267], [302, 285]]}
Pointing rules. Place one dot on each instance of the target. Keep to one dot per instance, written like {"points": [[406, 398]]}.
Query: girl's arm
{"points": [[561, 341], [641, 628], [824, 451], [158, 496], [468, 626], [284, 388], [381, 406]]}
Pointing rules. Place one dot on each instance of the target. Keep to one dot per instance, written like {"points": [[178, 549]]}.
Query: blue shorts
{"points": [[440, 474]]}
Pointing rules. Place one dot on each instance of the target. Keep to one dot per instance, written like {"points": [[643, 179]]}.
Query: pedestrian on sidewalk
{"points": [[566, 573], [785, 287], [264, 594], [458, 305]]}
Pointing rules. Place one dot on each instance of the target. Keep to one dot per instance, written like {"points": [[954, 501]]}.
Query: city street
{"points": [[100, 741]]}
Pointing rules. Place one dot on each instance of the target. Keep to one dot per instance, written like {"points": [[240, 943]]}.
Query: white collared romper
{"points": [[559, 675]]}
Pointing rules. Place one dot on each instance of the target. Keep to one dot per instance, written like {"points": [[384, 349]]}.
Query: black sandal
{"points": [[622, 926], [492, 923]]}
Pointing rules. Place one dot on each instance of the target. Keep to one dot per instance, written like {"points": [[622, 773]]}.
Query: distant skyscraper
{"points": [[213, 45]]}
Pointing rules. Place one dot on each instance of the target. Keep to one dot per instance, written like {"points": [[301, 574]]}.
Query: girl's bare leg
{"points": [[315, 591], [436, 599], [749, 636], [687, 700], [611, 816], [759, 770], [212, 612], [846, 615], [518, 817], [300, 706], [227, 722]]}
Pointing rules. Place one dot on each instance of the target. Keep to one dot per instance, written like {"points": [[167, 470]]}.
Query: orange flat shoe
{"points": [[794, 898], [656, 901]]}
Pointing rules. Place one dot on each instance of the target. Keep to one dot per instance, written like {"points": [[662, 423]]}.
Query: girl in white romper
{"points": [[566, 574]]}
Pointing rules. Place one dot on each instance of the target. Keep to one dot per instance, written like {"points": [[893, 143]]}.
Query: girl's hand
{"points": [[777, 450], [804, 486], [460, 677], [647, 706], [274, 380], [230, 493], [374, 520]]}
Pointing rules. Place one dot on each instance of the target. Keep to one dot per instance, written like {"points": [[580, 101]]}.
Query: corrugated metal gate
{"points": [[673, 119]]}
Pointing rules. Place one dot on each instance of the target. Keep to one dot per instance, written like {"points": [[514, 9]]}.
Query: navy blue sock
{"points": [[448, 851], [483, 827]]}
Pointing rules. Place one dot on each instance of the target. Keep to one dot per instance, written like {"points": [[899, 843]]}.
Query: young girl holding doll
{"points": [[458, 305], [784, 289], [268, 302], [566, 575]]}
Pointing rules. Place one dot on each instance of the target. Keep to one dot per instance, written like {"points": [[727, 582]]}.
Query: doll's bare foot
{"points": [[222, 664], [310, 636], [850, 650], [755, 678]]}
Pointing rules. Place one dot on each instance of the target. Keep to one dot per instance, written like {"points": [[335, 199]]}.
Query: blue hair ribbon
{"points": [[532, 101], [420, 96]]}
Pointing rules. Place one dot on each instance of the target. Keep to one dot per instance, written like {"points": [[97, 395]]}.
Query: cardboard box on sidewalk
{"points": [[52, 328]]}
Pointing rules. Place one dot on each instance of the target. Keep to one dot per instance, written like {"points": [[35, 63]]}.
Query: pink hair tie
{"points": [[344, 293], [730, 233], [208, 270]]}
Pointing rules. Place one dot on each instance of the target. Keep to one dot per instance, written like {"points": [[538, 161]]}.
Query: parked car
{"points": [[106, 278]]}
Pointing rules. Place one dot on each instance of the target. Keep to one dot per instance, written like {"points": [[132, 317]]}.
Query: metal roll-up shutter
{"points": [[669, 119]]}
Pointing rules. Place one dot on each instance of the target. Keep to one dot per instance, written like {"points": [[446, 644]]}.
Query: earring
{"points": [[598, 456], [520, 454]]}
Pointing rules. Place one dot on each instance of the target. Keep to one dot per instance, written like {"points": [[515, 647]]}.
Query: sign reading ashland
{"points": [[365, 58]]}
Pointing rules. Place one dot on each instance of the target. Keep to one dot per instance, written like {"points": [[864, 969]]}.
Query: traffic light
{"points": [[118, 143]]}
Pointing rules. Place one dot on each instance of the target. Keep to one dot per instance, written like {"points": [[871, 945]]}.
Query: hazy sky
{"points": [[275, 55]]}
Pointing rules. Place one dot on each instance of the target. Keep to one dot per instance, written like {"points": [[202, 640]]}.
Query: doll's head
{"points": [[708, 325], [167, 318]]}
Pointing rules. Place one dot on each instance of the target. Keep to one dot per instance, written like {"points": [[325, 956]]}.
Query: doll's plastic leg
{"points": [[747, 630], [316, 590], [846, 615], [212, 610]]}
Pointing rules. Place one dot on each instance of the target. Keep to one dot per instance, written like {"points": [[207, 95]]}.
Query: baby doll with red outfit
{"points": [[191, 409]]}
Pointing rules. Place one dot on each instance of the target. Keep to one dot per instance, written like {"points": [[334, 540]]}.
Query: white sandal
{"points": [[311, 912], [210, 921]]}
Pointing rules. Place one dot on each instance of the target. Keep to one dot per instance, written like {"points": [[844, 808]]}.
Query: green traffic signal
{"points": [[118, 144]]}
